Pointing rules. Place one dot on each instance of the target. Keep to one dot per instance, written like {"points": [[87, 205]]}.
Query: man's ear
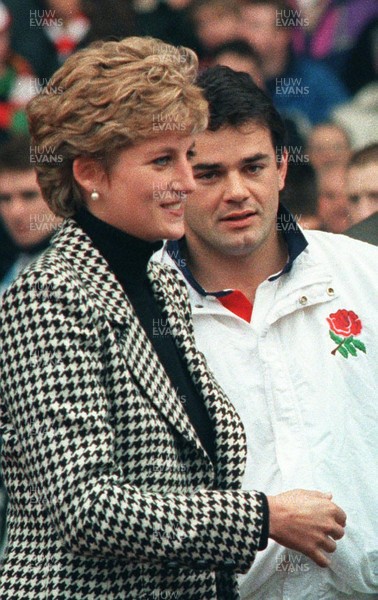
{"points": [[88, 173], [282, 168]]}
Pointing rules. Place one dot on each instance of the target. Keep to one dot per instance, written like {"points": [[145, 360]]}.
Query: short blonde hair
{"points": [[104, 99]]}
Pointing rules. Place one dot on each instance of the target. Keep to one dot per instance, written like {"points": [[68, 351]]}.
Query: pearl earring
{"points": [[95, 196]]}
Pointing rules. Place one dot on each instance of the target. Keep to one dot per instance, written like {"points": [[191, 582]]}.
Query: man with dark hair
{"points": [[288, 323], [24, 214]]}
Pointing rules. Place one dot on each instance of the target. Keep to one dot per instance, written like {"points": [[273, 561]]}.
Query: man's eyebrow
{"points": [[215, 166], [205, 166], [255, 157]]}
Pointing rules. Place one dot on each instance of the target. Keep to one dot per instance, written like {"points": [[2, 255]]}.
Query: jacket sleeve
{"points": [[52, 379]]}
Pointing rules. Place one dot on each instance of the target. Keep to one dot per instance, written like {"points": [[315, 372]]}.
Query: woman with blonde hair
{"points": [[122, 457]]}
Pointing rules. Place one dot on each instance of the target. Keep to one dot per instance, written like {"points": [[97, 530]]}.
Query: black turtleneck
{"points": [[128, 257]]}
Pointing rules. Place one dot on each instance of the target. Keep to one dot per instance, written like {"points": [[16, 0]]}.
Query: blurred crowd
{"points": [[317, 59]]}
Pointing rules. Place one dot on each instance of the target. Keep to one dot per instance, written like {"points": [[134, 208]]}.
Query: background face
{"points": [[328, 145], [333, 202], [259, 29], [362, 188], [233, 210], [25, 214]]}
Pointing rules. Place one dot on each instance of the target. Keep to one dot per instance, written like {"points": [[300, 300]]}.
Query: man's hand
{"points": [[306, 521]]}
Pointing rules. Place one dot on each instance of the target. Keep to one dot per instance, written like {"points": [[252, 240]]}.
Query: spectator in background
{"points": [[331, 30], [67, 26], [362, 188], [300, 195], [328, 144], [301, 89], [25, 215], [240, 56], [46, 32], [333, 202], [215, 22], [16, 82], [360, 116]]}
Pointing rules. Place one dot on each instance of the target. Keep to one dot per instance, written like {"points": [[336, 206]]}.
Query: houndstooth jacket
{"points": [[112, 495]]}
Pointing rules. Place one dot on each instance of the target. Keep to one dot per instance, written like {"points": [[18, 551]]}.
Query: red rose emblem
{"points": [[345, 322]]}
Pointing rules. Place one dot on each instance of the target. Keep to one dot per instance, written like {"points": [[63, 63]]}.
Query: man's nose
{"points": [[236, 189]]}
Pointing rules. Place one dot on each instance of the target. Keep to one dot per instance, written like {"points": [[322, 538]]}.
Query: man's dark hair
{"points": [[235, 100], [15, 154]]}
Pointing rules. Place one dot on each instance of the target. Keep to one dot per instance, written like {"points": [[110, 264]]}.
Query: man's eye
{"points": [[354, 198], [5, 197], [206, 176], [254, 169]]}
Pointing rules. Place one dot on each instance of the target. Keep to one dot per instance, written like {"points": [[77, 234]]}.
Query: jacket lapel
{"points": [[111, 301], [231, 447]]}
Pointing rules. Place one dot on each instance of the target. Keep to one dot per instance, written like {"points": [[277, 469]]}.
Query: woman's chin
{"points": [[174, 232]]}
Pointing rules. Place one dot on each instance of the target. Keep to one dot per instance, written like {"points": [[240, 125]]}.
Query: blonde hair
{"points": [[104, 99]]}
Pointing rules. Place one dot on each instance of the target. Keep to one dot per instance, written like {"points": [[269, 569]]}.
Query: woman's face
{"points": [[145, 191]]}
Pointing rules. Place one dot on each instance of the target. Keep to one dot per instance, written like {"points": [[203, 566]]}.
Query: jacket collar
{"points": [[89, 267], [286, 225]]}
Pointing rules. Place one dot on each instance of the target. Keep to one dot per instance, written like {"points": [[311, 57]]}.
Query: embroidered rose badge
{"points": [[344, 326]]}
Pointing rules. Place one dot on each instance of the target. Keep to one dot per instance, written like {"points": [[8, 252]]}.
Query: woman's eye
{"points": [[162, 161], [191, 154]]}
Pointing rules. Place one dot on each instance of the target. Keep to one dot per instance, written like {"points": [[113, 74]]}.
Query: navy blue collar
{"points": [[286, 224]]}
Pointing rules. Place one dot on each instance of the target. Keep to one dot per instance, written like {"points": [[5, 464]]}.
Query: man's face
{"points": [[362, 187], [333, 202], [328, 145], [25, 214], [259, 28], [233, 210]]}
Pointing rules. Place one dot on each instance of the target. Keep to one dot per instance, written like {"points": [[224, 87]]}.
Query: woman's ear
{"points": [[88, 173]]}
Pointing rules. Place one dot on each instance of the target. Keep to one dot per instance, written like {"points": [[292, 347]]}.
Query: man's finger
{"points": [[337, 532], [329, 545]]}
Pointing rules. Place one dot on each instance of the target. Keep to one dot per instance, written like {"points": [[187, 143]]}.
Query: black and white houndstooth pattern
{"points": [[111, 494]]}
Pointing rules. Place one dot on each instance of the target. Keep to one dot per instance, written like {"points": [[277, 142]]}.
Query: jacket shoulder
{"points": [[344, 253]]}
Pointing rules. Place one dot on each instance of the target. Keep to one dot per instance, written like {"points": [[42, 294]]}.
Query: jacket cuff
{"points": [[265, 527]]}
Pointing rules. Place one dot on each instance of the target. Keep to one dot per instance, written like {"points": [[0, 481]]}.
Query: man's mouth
{"points": [[240, 216]]}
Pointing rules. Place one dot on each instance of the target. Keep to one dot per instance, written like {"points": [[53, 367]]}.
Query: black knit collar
{"points": [[126, 255]]}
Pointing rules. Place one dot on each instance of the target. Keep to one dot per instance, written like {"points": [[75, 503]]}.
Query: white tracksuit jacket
{"points": [[309, 409]]}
